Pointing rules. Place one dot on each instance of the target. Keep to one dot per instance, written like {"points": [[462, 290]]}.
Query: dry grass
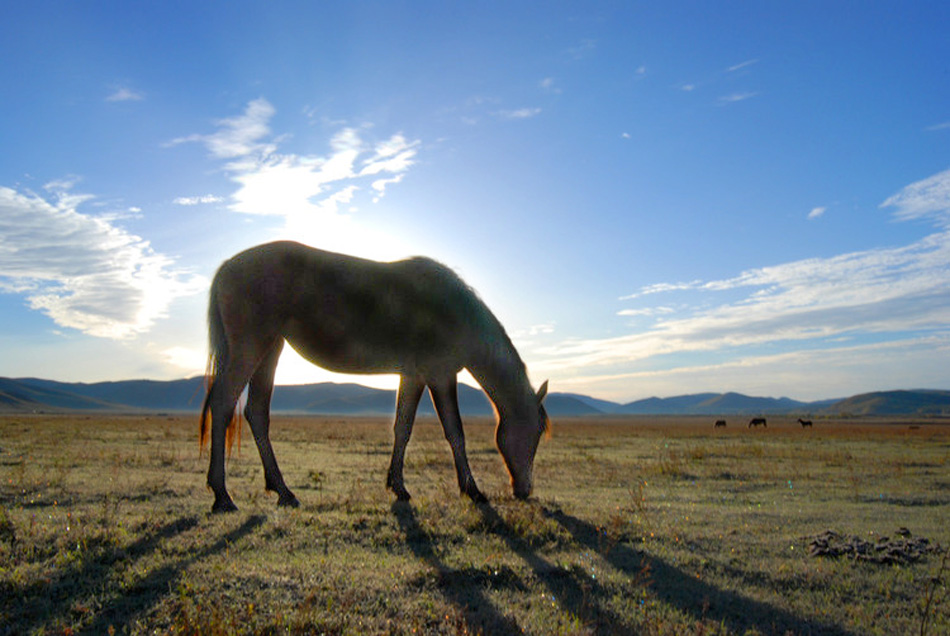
{"points": [[648, 526]]}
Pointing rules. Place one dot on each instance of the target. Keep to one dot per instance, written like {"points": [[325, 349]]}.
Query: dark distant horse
{"points": [[757, 421], [346, 314], [720, 424], [804, 423]]}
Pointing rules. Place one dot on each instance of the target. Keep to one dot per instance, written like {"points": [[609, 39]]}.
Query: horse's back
{"points": [[354, 314]]}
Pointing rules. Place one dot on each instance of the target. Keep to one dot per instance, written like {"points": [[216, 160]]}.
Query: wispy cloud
{"points": [[928, 198], [549, 85], [124, 94], [845, 369], [887, 294], [741, 65], [662, 287], [816, 212], [83, 271], [734, 98], [520, 113], [941, 126], [237, 136], [582, 49], [646, 311]]}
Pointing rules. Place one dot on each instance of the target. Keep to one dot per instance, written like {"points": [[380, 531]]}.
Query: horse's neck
{"points": [[502, 374]]}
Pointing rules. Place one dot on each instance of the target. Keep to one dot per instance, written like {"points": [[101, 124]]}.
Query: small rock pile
{"points": [[903, 548]]}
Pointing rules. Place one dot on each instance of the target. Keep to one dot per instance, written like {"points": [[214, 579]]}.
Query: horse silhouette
{"points": [[720, 424], [757, 421], [804, 423], [415, 317]]}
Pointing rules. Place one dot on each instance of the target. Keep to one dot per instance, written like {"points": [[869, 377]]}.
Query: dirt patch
{"points": [[902, 548]]}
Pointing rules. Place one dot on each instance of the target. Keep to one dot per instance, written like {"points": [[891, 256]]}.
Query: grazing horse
{"points": [[413, 317], [757, 421], [720, 424], [804, 423]]}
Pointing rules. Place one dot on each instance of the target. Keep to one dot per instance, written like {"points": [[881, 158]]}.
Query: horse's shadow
{"points": [[689, 594], [575, 591], [64, 595], [461, 588]]}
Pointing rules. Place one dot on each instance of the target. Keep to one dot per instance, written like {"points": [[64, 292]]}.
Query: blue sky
{"points": [[654, 198]]}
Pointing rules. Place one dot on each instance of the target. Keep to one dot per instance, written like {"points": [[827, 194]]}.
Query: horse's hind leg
{"points": [[225, 392], [445, 396], [259, 392], [410, 392]]}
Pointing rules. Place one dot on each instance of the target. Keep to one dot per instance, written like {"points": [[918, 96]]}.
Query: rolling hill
{"points": [[34, 394]]}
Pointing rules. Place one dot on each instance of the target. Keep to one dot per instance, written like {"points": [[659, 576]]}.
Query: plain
{"points": [[638, 526]]}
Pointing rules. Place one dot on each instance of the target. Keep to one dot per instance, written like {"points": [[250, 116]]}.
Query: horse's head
{"points": [[518, 441]]}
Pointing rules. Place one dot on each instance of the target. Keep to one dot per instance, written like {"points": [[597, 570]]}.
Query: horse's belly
{"points": [[349, 351], [339, 349]]}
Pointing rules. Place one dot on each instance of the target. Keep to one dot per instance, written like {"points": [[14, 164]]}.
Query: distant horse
{"points": [[757, 421], [413, 317], [804, 423], [720, 423]]}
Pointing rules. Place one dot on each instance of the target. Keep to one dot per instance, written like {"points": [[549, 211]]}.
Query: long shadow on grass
{"points": [[462, 588], [575, 590], [89, 585], [689, 594]]}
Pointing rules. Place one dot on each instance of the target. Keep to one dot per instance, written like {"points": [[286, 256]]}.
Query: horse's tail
{"points": [[217, 358]]}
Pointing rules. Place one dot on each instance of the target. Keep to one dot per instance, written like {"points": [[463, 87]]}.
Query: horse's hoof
{"points": [[289, 501], [223, 506], [400, 491], [477, 497]]}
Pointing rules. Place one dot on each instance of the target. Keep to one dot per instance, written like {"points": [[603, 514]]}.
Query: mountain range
{"points": [[37, 395]]}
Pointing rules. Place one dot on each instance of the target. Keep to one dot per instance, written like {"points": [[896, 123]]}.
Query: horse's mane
{"points": [[502, 353], [466, 301]]}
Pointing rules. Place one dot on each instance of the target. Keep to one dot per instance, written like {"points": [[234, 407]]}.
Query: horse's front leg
{"points": [[445, 396], [410, 392], [259, 393]]}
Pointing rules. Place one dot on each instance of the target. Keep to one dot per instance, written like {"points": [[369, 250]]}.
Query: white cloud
{"points": [[395, 155], [238, 136], [816, 212], [313, 194], [941, 126], [82, 271], [207, 198], [124, 94]]}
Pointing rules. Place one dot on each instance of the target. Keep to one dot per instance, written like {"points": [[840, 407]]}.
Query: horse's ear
{"points": [[542, 392]]}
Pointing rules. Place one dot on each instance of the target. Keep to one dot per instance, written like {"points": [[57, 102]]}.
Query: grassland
{"points": [[639, 526]]}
